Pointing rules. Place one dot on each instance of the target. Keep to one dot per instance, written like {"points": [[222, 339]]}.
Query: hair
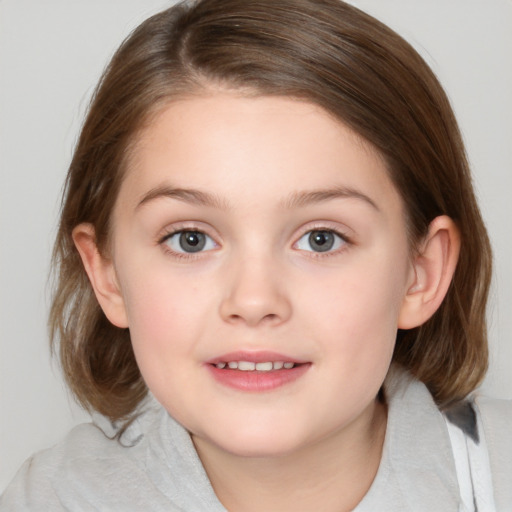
{"points": [[321, 51]]}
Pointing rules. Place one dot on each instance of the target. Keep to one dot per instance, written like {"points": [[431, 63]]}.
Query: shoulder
{"points": [[152, 465], [496, 419], [35, 482], [496, 414], [86, 470]]}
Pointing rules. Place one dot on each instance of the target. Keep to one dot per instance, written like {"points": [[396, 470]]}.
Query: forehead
{"points": [[244, 148]]}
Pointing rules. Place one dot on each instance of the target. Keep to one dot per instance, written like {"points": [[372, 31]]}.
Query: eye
{"points": [[320, 240], [189, 241]]}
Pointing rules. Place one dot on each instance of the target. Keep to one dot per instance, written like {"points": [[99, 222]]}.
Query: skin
{"points": [[259, 285]]}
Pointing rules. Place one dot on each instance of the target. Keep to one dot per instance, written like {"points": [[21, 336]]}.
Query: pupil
{"points": [[192, 241], [321, 241]]}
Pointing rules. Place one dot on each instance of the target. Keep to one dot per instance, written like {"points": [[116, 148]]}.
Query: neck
{"points": [[331, 475]]}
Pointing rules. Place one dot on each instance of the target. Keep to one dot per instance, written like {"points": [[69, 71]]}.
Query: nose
{"points": [[255, 295]]}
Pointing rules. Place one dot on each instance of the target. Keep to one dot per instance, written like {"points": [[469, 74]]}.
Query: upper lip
{"points": [[261, 356]]}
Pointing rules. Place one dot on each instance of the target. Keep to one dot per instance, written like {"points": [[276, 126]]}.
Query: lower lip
{"points": [[257, 381]]}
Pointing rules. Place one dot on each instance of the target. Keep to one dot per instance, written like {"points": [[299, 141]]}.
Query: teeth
{"points": [[264, 367], [248, 366]]}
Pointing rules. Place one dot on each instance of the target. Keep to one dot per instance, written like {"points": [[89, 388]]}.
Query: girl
{"points": [[272, 277]]}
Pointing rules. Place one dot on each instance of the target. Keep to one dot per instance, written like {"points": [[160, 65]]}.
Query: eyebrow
{"points": [[300, 199], [187, 195], [295, 200]]}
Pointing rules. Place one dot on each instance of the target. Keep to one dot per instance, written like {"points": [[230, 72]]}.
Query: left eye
{"points": [[322, 240], [190, 242]]}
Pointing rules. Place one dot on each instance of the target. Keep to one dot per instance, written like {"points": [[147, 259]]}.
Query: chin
{"points": [[260, 443]]}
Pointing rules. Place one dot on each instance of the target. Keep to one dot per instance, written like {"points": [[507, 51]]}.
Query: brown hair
{"points": [[322, 51]]}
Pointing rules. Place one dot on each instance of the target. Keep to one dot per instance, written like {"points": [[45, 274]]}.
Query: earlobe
{"points": [[101, 273], [432, 273]]}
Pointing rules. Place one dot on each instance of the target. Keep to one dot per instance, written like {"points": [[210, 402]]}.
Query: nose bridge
{"points": [[256, 292]]}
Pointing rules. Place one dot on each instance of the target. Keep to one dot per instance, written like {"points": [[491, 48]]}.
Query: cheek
{"points": [[166, 314], [357, 310], [166, 324]]}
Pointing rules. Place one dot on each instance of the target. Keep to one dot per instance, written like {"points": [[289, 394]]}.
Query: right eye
{"points": [[189, 241]]}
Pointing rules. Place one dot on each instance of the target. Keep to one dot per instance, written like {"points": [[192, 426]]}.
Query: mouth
{"points": [[256, 372], [250, 366]]}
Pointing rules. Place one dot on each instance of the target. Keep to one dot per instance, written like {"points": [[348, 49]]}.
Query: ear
{"points": [[101, 274], [432, 273]]}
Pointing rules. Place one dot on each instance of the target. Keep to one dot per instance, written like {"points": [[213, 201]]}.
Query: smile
{"points": [[249, 366], [256, 372]]}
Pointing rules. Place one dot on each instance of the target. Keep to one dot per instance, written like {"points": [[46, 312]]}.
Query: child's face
{"points": [[260, 230]]}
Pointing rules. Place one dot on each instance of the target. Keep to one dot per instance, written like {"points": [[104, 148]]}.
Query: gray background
{"points": [[51, 55]]}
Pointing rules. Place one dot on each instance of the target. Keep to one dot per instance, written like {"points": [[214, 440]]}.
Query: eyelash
{"points": [[178, 254], [343, 239]]}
